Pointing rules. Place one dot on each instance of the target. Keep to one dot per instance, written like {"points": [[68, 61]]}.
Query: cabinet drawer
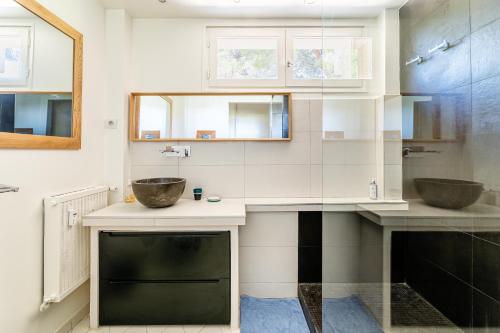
{"points": [[164, 303], [164, 256]]}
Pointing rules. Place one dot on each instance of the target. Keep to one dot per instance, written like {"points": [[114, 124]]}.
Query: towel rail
{"points": [[8, 188]]}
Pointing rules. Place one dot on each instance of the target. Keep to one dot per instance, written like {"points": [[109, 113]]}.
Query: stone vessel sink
{"points": [[158, 192], [448, 193]]}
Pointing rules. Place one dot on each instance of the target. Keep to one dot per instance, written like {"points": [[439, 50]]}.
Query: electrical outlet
{"points": [[111, 123]]}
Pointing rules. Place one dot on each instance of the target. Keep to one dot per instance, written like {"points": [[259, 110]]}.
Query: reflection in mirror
{"points": [[211, 117], [433, 117], [36, 74]]}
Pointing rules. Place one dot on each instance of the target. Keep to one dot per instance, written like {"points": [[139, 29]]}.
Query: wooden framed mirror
{"points": [[210, 117], [40, 78]]}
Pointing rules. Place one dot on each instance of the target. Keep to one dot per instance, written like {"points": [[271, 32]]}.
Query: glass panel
{"points": [[249, 58], [211, 117]]}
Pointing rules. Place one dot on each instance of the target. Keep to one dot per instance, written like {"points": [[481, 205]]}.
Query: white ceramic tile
{"points": [[393, 152], [193, 328], [341, 229], [357, 178], [334, 152], [300, 115], [268, 264], [393, 178], [277, 181], [296, 151], [340, 264], [316, 147], [269, 290], [224, 181], [165, 329], [101, 329], [128, 329], [360, 152], [153, 171], [347, 181], [334, 181], [316, 190], [148, 153], [270, 229], [215, 153], [316, 114], [213, 329]]}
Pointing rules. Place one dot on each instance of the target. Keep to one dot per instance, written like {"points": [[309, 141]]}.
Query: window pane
{"points": [[247, 58], [331, 58], [11, 64], [307, 58]]}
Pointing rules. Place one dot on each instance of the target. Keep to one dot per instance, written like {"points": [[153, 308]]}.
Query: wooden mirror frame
{"points": [[24, 141], [135, 113]]}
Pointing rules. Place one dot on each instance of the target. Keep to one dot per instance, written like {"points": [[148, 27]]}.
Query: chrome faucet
{"points": [[176, 151], [7, 188]]}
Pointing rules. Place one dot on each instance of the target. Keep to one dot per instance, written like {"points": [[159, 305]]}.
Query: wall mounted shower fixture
{"points": [[417, 60], [445, 45]]}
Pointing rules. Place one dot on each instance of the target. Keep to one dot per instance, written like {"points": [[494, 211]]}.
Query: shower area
{"points": [[428, 269]]}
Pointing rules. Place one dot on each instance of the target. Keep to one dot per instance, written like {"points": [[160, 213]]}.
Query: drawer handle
{"points": [[161, 281], [136, 234]]}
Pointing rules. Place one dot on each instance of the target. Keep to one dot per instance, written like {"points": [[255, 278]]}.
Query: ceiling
{"points": [[254, 8]]}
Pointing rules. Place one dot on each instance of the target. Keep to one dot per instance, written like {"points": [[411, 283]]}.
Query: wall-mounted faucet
{"points": [[407, 151], [176, 151], [7, 188]]}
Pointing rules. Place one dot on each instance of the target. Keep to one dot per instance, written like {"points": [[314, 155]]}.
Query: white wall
{"points": [[39, 173], [168, 55]]}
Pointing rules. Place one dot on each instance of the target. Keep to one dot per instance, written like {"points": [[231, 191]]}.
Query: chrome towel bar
{"points": [[7, 188]]}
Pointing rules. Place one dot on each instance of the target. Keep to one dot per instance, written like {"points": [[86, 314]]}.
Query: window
{"points": [[246, 57], [14, 55], [332, 57]]}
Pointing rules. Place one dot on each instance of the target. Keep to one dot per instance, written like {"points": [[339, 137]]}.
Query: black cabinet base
{"points": [[164, 303]]}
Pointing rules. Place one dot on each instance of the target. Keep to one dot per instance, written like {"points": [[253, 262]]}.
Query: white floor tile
{"points": [[128, 329], [193, 329]]}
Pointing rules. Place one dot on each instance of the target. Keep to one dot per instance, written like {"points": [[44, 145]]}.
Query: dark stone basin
{"points": [[158, 192], [448, 193]]}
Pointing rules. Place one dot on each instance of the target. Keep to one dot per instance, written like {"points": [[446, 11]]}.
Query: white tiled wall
{"points": [[306, 166], [341, 248], [269, 255]]}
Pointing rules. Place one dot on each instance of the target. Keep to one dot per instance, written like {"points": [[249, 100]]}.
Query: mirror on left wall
{"points": [[40, 78]]}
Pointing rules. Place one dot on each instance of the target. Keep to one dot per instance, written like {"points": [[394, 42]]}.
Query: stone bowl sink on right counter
{"points": [[448, 193]]}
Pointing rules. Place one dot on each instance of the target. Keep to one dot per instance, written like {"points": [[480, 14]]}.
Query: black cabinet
{"points": [[164, 278]]}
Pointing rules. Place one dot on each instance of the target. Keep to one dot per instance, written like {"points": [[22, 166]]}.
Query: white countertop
{"points": [[420, 215], [184, 212], [227, 212]]}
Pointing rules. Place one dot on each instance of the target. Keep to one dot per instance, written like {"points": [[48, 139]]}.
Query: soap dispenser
{"points": [[373, 190]]}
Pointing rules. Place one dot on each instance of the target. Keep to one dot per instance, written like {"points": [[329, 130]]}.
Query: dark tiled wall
{"points": [[458, 273], [310, 247], [470, 68]]}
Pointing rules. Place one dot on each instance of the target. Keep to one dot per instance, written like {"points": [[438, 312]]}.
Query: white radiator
{"points": [[66, 242]]}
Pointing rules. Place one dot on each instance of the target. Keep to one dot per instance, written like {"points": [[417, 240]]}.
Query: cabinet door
{"points": [[164, 303], [164, 256]]}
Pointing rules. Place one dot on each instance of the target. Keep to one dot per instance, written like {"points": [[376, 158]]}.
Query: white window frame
{"points": [[320, 33], [25, 32], [274, 33]]}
